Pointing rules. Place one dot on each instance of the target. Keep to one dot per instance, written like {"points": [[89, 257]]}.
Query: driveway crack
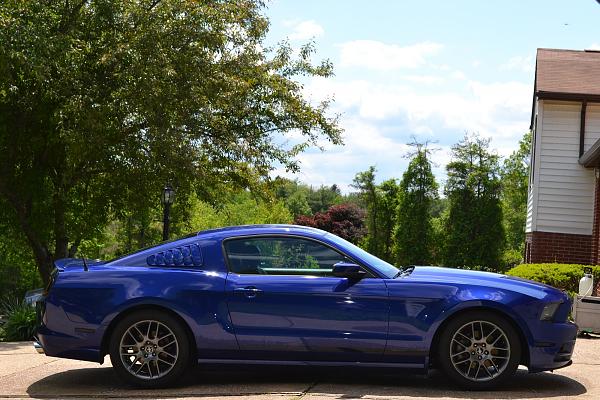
{"points": [[305, 391]]}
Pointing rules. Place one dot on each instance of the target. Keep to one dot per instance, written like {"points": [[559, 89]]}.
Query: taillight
{"points": [[51, 281]]}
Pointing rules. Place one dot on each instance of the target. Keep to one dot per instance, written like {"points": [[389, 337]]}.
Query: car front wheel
{"points": [[149, 349], [479, 350]]}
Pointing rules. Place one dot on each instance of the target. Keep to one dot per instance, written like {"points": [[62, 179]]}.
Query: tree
{"points": [[294, 194], [365, 183], [17, 270], [241, 209], [343, 220], [515, 180], [418, 193], [321, 199], [103, 102], [388, 193], [474, 231]]}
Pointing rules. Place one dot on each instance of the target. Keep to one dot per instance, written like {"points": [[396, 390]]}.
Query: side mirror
{"points": [[348, 270]]}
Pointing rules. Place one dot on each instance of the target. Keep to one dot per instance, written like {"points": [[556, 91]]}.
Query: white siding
{"points": [[562, 195], [592, 125], [532, 192], [529, 220]]}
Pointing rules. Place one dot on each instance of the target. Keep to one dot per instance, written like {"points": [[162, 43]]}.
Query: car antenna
{"points": [[85, 266]]}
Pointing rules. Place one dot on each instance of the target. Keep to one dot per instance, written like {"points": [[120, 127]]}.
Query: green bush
{"points": [[510, 258], [561, 276], [21, 321]]}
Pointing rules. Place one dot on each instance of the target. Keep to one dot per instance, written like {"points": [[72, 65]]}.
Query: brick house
{"points": [[563, 208]]}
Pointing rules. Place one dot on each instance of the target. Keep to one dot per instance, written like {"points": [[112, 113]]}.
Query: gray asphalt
{"points": [[26, 374]]}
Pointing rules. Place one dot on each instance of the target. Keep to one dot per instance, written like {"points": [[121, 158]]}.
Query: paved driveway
{"points": [[25, 374]]}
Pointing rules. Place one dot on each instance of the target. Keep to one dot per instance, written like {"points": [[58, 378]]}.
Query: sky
{"points": [[432, 69]]}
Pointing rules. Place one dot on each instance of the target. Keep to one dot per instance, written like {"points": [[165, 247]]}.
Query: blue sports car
{"points": [[283, 294]]}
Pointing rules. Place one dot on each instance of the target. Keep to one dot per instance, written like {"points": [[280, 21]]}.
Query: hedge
{"points": [[561, 276]]}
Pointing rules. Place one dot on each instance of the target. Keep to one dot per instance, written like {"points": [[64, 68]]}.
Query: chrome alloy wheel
{"points": [[149, 349], [480, 351]]}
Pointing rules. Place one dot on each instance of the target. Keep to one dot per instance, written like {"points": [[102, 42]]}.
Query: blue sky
{"points": [[432, 69]]}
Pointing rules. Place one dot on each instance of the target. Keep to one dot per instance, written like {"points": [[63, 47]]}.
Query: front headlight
{"points": [[548, 311]]}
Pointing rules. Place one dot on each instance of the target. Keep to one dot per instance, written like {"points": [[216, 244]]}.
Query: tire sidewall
{"points": [[443, 350], [183, 357]]}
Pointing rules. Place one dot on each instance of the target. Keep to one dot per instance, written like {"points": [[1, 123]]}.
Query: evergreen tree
{"points": [[321, 199], [515, 179], [418, 192], [474, 230], [365, 183], [388, 193]]}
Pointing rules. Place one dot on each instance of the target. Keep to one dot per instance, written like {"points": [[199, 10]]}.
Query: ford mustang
{"points": [[283, 294]]}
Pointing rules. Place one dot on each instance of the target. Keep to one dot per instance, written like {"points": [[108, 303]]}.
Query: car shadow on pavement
{"points": [[334, 382]]}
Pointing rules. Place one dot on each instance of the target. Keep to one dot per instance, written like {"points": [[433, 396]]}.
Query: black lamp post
{"points": [[167, 198]]}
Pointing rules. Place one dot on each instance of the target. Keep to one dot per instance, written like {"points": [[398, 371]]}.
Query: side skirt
{"points": [[417, 367]]}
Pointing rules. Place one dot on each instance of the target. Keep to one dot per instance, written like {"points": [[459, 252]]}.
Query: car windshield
{"points": [[385, 268]]}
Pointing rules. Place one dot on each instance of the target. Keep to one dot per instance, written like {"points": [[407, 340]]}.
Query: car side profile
{"points": [[284, 294]]}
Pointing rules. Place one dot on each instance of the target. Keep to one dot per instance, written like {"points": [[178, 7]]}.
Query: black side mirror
{"points": [[348, 270]]}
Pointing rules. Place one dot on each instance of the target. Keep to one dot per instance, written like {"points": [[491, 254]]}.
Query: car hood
{"points": [[484, 279]]}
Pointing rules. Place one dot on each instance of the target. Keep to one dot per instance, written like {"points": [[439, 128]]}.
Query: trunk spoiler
{"points": [[75, 263]]}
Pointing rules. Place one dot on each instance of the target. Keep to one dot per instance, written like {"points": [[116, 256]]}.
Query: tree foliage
{"points": [[389, 196], [103, 102], [364, 182], [380, 202], [303, 199], [515, 180], [418, 192], [241, 209], [473, 227], [343, 220]]}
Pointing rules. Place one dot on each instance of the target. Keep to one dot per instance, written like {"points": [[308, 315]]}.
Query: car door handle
{"points": [[249, 291]]}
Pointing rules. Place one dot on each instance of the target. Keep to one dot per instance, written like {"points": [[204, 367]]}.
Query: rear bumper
{"points": [[57, 336], [556, 350]]}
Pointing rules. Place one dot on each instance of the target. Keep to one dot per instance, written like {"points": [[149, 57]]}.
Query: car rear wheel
{"points": [[479, 350], [150, 349]]}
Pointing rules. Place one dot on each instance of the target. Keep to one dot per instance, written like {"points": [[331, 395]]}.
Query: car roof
{"points": [[219, 234], [240, 230]]}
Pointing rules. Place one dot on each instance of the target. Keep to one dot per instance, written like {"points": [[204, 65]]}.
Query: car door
{"points": [[285, 304]]}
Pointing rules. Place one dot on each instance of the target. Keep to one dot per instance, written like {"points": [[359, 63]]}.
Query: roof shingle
{"points": [[568, 71]]}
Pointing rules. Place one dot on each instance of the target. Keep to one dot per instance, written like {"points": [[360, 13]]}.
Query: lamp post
{"points": [[168, 195]]}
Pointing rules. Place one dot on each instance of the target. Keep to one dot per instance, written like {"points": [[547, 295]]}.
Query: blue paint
{"points": [[382, 319]]}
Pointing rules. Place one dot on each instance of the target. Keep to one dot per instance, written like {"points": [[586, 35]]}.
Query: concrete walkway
{"points": [[25, 374]]}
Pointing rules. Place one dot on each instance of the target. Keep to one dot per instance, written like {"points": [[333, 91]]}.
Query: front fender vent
{"points": [[183, 256]]}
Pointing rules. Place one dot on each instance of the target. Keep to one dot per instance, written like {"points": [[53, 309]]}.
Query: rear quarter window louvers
{"points": [[182, 256]]}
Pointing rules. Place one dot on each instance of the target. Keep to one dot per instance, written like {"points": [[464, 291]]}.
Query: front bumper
{"points": [[556, 349], [38, 347]]}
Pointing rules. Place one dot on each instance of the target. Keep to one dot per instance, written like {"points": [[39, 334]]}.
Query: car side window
{"points": [[281, 256]]}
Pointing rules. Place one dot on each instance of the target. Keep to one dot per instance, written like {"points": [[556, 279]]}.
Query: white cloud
{"points": [[424, 79], [304, 30], [339, 164], [379, 118], [593, 46], [379, 114], [476, 106], [519, 63], [377, 55]]}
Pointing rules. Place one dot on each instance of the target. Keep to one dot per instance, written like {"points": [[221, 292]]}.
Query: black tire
{"points": [[173, 368], [494, 365]]}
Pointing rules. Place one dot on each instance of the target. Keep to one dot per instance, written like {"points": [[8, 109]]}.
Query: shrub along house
{"points": [[563, 209]]}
